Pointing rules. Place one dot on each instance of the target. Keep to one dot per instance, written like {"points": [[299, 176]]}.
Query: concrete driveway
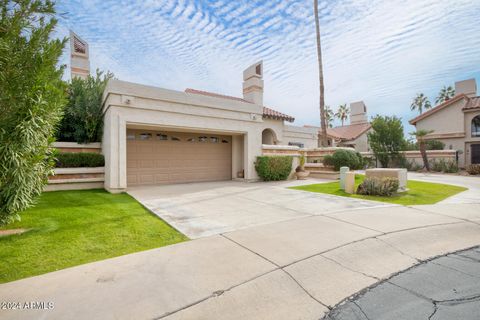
{"points": [[204, 209]]}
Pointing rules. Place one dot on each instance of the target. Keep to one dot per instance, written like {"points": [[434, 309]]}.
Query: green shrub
{"points": [[434, 145], [473, 169], [273, 168], [76, 160], [378, 187], [442, 165], [344, 158], [32, 98]]}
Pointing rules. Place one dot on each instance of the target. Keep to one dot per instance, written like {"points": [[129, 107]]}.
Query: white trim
{"points": [[74, 145], [79, 180], [279, 147], [79, 170]]}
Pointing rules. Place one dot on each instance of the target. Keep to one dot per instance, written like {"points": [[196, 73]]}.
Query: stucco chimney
{"points": [[253, 83], [358, 112], [468, 87], [79, 57]]}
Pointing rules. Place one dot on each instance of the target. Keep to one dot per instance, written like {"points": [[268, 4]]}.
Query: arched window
{"points": [[476, 126], [268, 137]]}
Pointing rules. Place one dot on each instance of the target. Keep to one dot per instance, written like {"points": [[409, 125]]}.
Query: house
{"points": [[456, 122], [353, 135]]}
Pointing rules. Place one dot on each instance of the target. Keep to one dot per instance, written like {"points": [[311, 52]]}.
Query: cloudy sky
{"points": [[382, 52]]}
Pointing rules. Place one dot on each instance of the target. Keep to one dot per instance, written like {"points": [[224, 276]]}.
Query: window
{"points": [[161, 136], [224, 141], [191, 139], [214, 140], [145, 136], [175, 139], [258, 69], [203, 139], [131, 136], [476, 126]]}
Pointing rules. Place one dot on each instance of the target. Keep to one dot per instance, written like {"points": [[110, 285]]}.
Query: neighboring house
{"points": [[354, 135], [157, 136], [456, 122]]}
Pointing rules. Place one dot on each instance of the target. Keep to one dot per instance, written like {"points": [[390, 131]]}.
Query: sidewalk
{"points": [[295, 269]]}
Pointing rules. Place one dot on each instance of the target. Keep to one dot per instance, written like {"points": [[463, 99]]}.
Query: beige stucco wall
{"points": [[306, 135], [446, 121], [138, 106]]}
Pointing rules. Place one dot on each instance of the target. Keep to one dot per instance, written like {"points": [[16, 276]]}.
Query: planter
{"points": [[302, 175]]}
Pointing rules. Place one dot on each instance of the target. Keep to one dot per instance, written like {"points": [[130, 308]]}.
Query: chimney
{"points": [[468, 87], [79, 57], [253, 83], [358, 112]]}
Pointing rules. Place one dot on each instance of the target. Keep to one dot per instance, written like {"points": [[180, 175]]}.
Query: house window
{"points": [[145, 136], [161, 136], [191, 139], [175, 139], [224, 141], [476, 126], [203, 139], [214, 140]]}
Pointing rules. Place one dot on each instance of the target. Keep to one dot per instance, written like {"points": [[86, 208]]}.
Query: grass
{"points": [[418, 192], [68, 228]]}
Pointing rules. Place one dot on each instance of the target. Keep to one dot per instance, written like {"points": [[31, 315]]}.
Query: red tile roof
{"points": [[348, 132], [267, 112], [473, 103], [438, 108]]}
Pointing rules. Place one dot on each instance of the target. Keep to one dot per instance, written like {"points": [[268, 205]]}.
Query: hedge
{"points": [[344, 158], [273, 168], [76, 160]]}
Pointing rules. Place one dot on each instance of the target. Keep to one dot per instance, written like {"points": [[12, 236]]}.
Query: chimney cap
{"points": [[255, 70]]}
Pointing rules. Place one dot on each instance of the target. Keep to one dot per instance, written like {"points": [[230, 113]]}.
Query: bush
{"points": [[344, 158], [32, 98], [442, 165], [76, 160], [434, 145], [473, 169], [378, 187], [83, 119], [273, 168]]}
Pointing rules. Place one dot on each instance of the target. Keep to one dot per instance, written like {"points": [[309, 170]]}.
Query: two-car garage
{"points": [[163, 157]]}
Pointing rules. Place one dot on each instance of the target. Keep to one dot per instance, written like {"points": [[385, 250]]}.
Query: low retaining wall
{"points": [[95, 147], [416, 156], [76, 179]]}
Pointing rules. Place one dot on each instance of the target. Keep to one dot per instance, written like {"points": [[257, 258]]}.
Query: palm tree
{"points": [[342, 112], [329, 116], [420, 135], [445, 94], [420, 102], [322, 139]]}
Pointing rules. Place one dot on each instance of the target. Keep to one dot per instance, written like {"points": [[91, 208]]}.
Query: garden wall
{"points": [[76, 178], [416, 157]]}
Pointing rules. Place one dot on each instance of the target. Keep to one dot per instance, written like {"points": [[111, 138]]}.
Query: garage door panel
{"points": [[157, 161]]}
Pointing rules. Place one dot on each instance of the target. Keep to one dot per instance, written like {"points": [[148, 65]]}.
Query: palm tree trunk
{"points": [[322, 139], [423, 151]]}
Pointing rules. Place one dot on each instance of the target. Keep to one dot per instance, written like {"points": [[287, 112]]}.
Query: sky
{"points": [[381, 52]]}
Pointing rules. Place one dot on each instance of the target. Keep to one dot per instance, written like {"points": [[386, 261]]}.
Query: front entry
{"points": [[161, 157], [475, 153]]}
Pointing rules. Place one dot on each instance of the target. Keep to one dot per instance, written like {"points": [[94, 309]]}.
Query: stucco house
{"points": [[353, 135], [456, 122]]}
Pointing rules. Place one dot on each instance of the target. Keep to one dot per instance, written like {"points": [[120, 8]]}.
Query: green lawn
{"points": [[69, 228], [418, 192]]}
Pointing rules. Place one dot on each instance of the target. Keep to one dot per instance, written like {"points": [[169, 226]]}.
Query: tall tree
{"points": [[422, 145], [32, 98], [446, 93], [342, 113], [386, 138], [322, 139], [329, 116], [420, 103]]}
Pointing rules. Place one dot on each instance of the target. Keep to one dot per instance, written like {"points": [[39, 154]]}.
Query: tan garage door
{"points": [[166, 157]]}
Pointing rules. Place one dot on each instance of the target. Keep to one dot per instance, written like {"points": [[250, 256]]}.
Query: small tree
{"points": [[420, 135], [386, 139], [83, 120], [32, 97]]}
